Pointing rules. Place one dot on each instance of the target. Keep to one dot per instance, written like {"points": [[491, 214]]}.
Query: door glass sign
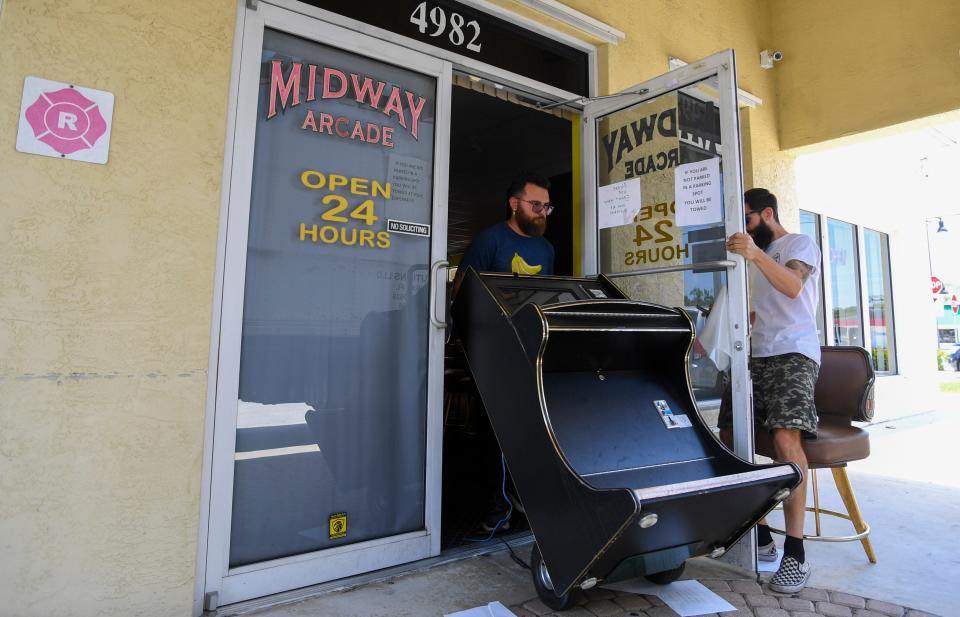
{"points": [[331, 416]]}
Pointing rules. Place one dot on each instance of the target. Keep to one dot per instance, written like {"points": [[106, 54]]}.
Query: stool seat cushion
{"points": [[836, 443]]}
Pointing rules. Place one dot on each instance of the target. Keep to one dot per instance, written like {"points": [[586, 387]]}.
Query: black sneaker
{"points": [[791, 577]]}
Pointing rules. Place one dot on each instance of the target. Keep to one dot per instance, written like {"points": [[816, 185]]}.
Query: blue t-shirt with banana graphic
{"points": [[500, 249]]}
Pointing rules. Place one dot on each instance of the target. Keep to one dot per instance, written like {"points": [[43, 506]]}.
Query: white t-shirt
{"points": [[783, 324]]}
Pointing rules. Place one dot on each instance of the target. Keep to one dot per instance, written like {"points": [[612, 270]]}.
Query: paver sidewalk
{"points": [[477, 581], [750, 598]]}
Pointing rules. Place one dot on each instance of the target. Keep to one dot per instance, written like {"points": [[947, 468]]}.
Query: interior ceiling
{"points": [[491, 140]]}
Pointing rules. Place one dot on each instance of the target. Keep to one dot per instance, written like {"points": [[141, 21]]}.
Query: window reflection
{"points": [[876, 247], [810, 227], [845, 283]]}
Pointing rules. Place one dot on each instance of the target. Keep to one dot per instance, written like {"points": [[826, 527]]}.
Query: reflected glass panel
{"points": [[876, 248], [331, 421], [660, 204], [845, 283], [810, 227]]}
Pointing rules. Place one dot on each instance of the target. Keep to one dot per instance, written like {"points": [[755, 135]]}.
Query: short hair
{"points": [[760, 199], [521, 180]]}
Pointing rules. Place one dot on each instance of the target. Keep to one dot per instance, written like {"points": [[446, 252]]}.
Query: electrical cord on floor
{"points": [[506, 517], [514, 556]]}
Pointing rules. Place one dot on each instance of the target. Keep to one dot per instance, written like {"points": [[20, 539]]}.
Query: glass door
{"points": [[327, 435], [665, 160]]}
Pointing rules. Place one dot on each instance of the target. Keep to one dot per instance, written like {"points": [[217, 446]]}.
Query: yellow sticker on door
{"points": [[338, 525]]}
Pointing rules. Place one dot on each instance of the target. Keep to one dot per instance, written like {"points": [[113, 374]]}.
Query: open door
{"points": [[664, 158]]}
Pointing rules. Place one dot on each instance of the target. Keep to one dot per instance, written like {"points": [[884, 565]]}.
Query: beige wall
{"points": [[106, 282], [853, 66]]}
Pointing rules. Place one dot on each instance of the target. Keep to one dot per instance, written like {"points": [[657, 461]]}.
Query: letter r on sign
{"points": [[67, 119]]}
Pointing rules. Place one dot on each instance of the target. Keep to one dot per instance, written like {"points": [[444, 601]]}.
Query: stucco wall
{"points": [[856, 66], [106, 283]]}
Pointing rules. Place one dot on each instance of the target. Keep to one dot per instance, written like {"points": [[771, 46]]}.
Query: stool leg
{"points": [[816, 500], [846, 494]]}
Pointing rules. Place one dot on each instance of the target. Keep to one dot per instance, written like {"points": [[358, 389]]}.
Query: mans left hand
{"points": [[742, 244]]}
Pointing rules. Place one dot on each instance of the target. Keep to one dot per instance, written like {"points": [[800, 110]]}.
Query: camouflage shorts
{"points": [[782, 394]]}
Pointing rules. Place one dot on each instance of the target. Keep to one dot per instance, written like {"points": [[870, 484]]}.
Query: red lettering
{"points": [[344, 133], [309, 122], [312, 84], [394, 106], [415, 110], [283, 89], [326, 123], [328, 92], [357, 131], [366, 91]]}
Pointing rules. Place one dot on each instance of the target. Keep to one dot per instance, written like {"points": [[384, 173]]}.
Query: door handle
{"points": [[437, 321], [705, 266]]}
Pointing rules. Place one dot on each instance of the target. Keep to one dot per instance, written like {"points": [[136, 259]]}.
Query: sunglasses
{"points": [[747, 215]]}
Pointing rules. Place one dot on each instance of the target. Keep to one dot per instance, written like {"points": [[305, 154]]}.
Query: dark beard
{"points": [[532, 226], [762, 235]]}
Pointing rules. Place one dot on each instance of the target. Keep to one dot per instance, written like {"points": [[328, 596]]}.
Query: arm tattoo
{"points": [[800, 268]]}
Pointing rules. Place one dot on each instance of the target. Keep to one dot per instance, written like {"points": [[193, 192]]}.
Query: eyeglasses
{"points": [[539, 206]]}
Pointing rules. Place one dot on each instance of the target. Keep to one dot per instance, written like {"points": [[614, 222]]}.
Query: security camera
{"points": [[767, 58]]}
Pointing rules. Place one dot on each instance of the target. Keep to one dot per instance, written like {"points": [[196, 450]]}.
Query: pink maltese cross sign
{"points": [[65, 121]]}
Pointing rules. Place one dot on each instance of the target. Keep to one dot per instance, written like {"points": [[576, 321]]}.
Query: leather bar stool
{"points": [[844, 394]]}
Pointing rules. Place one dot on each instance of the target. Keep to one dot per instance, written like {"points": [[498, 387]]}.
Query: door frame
{"points": [[217, 583], [722, 65]]}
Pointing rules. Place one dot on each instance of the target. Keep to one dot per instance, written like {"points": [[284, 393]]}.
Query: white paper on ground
{"points": [[687, 598], [494, 609], [770, 566], [618, 203]]}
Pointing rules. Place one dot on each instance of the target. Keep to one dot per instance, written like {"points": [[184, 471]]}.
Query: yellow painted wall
{"points": [[853, 66], [106, 283]]}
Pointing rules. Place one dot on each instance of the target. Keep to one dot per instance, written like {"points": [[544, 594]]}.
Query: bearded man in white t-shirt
{"points": [[784, 363]]}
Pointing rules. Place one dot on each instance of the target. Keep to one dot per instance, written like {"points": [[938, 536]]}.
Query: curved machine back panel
{"points": [[589, 397]]}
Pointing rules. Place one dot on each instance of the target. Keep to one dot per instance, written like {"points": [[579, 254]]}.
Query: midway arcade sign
{"points": [[324, 83]]}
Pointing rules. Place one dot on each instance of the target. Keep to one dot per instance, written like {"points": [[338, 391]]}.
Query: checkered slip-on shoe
{"points": [[791, 577], [767, 552]]}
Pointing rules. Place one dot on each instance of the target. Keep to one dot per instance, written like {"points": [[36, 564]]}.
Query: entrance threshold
{"points": [[459, 553]]}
